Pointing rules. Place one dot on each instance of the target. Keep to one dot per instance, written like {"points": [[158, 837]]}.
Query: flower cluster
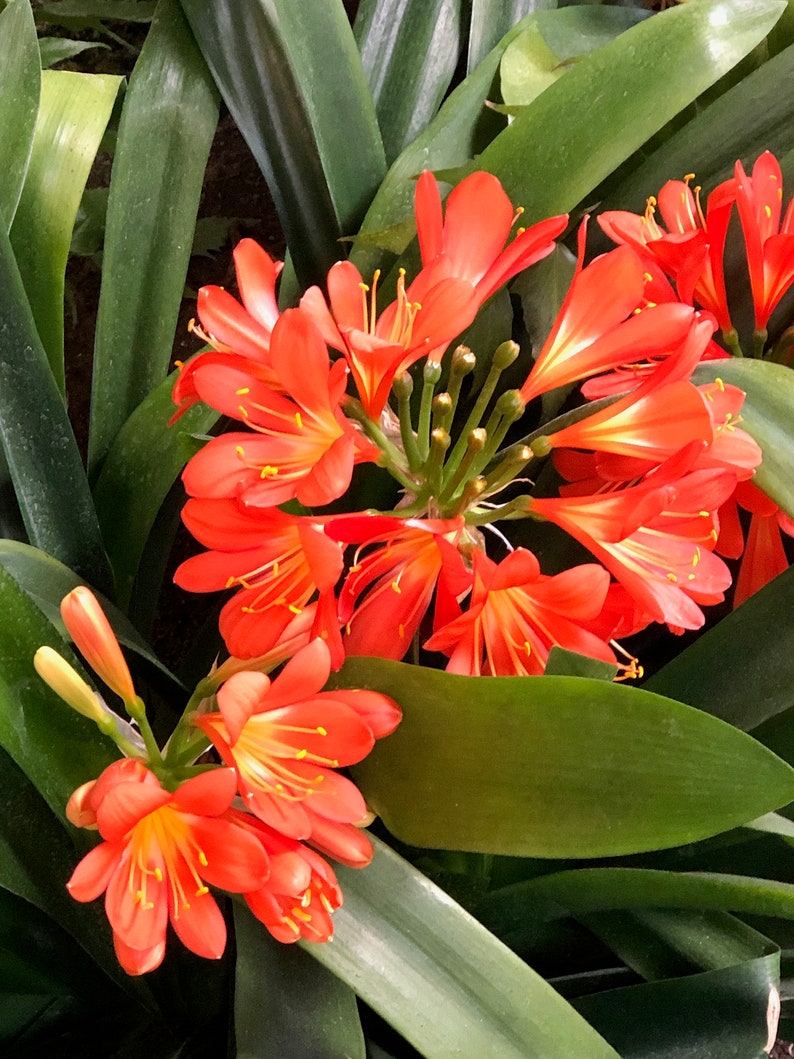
{"points": [[253, 826], [645, 468]]}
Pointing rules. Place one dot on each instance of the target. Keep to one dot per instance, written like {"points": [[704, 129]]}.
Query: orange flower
{"points": [[517, 615], [413, 558], [279, 561], [160, 851], [692, 247], [96, 641], [464, 260], [302, 446], [239, 333], [598, 328], [301, 891], [285, 738], [770, 246], [763, 555]]}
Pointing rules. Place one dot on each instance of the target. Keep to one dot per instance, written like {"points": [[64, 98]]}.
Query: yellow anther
{"points": [[719, 384], [520, 231], [321, 731], [704, 514], [179, 364], [242, 391], [299, 421], [671, 577], [396, 588], [768, 211], [240, 451], [293, 926], [306, 900], [696, 557], [690, 577], [158, 874], [293, 609], [688, 177], [527, 648], [301, 754], [305, 917], [202, 890], [268, 471], [138, 898], [242, 410], [203, 858], [648, 277]]}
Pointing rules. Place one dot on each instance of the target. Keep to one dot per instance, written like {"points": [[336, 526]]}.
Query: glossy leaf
{"points": [[436, 975], [751, 117], [42, 455], [169, 118], [286, 1004], [492, 19], [85, 14], [56, 49], [556, 766], [545, 51], [583, 126], [768, 415], [55, 747], [742, 670], [409, 52], [145, 460], [20, 82], [74, 111], [46, 581], [729, 1009], [309, 123]]}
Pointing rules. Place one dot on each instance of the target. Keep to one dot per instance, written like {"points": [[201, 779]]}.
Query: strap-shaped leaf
{"points": [[39, 445], [749, 118], [74, 111], [491, 19], [583, 126], [439, 977], [169, 118], [293, 81], [742, 670], [556, 766], [140, 468], [276, 986], [768, 415], [409, 52], [20, 80]]}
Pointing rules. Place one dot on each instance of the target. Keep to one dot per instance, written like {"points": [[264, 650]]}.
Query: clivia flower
{"points": [[285, 738], [763, 554], [301, 447], [517, 615], [89, 628], [464, 261], [160, 851]]}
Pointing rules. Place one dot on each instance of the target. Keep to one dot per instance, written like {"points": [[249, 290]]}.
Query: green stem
{"points": [[731, 340], [430, 377]]}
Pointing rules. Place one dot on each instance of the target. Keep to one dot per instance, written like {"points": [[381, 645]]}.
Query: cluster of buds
{"points": [[171, 829]]}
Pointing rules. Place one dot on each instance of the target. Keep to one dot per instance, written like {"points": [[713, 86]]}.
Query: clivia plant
{"points": [[486, 748]]}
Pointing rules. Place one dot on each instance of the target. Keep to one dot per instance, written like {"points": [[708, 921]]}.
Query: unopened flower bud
{"points": [[67, 683], [510, 405], [463, 361], [431, 372], [96, 641], [505, 354], [403, 386]]}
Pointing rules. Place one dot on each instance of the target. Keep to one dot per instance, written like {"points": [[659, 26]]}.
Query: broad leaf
{"points": [[140, 468], [75, 109], [55, 49], [277, 986], [749, 118], [768, 415], [583, 126], [43, 459], [310, 123], [742, 670], [556, 766], [169, 118], [20, 81], [492, 19], [436, 975], [409, 52]]}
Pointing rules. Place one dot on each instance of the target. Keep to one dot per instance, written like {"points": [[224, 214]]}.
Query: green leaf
{"points": [[46, 581], [169, 118], [409, 51], [556, 766], [728, 1010], [749, 118], [42, 455], [89, 225], [54, 746], [744, 687], [138, 472], [55, 49], [86, 14], [492, 19], [436, 975], [75, 109], [564, 663], [768, 415], [310, 123], [20, 82], [546, 50], [583, 126], [276, 985]]}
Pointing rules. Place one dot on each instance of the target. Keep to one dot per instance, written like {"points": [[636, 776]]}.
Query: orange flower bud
{"points": [[92, 634]]}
